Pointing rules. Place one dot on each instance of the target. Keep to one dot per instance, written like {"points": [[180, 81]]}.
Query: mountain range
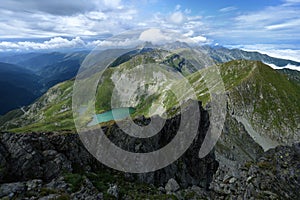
{"points": [[28, 76], [251, 158], [262, 100]]}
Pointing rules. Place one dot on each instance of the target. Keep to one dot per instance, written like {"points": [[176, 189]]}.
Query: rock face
{"points": [[172, 186], [47, 157], [42, 156], [189, 169], [275, 175]]}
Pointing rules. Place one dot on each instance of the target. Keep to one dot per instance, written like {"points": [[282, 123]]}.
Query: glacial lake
{"points": [[114, 114]]}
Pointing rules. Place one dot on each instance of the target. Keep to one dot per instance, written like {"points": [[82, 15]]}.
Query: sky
{"points": [[267, 26]]}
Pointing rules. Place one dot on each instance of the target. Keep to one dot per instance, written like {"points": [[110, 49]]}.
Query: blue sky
{"points": [[269, 26]]}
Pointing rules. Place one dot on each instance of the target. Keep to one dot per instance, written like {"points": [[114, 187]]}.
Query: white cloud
{"points": [[199, 39], [288, 66], [290, 54], [177, 7], [228, 9], [277, 51], [112, 43], [53, 43], [157, 36], [274, 24], [112, 3], [177, 17], [97, 18], [154, 35], [284, 25]]}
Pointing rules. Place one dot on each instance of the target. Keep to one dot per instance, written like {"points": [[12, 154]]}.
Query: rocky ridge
{"points": [[58, 166]]}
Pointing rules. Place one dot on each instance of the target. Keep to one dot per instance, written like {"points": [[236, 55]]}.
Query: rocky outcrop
{"points": [[188, 170], [275, 175], [48, 157], [42, 156]]}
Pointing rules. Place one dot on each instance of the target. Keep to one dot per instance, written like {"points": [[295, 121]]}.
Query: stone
{"points": [[162, 190], [50, 197], [10, 189], [34, 184], [232, 180], [250, 178], [87, 192], [226, 178], [172, 186], [113, 190]]}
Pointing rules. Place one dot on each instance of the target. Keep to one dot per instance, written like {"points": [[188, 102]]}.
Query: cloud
{"points": [[53, 43], [128, 42], [154, 35], [157, 36], [275, 50], [228, 9], [177, 17], [177, 7], [33, 18], [290, 24], [277, 24], [15, 25], [39, 19], [288, 66], [199, 39], [55, 7]]}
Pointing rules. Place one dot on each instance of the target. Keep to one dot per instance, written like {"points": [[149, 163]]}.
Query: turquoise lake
{"points": [[114, 114]]}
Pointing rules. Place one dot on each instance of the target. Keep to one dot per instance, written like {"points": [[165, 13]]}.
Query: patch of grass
{"points": [[75, 181], [265, 165], [47, 191], [64, 197]]}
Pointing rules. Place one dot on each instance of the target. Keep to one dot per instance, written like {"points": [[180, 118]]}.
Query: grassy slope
{"points": [[247, 82]]}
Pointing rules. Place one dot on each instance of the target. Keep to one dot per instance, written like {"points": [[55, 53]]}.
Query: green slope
{"points": [[266, 99]]}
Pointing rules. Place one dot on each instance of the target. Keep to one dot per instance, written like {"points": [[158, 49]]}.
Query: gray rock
{"points": [[162, 190], [58, 184], [10, 189], [87, 192], [172, 186], [113, 190], [50, 197], [232, 180], [34, 184]]}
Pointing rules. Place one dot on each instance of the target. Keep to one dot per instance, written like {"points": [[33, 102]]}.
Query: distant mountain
{"points": [[56, 67], [18, 87], [33, 74], [222, 54], [291, 74], [36, 61], [58, 72], [262, 99]]}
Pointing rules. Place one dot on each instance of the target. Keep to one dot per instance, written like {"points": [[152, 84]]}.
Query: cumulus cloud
{"points": [[53, 43], [154, 35], [128, 42], [41, 19], [199, 39], [27, 19], [157, 36]]}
